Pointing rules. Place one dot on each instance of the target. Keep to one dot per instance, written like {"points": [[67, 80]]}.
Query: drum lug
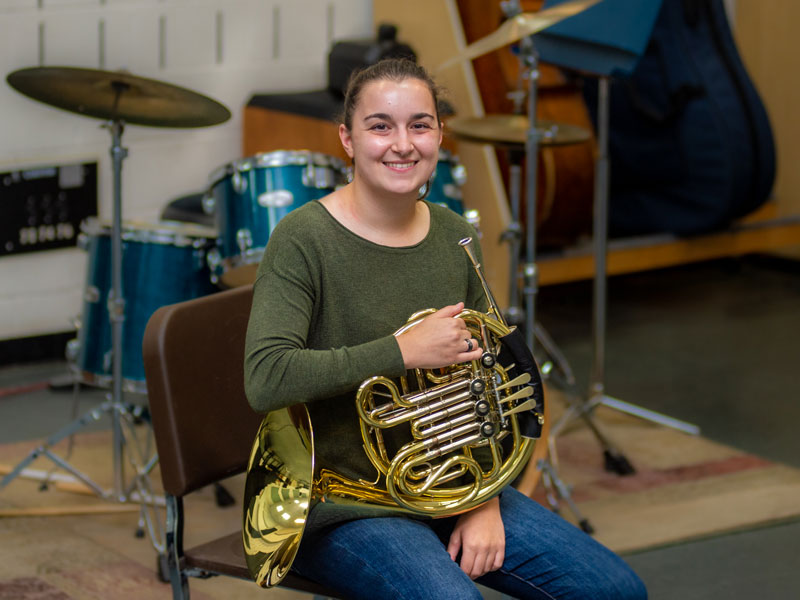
{"points": [[73, 350], [107, 361], [276, 199], [238, 182], [244, 239], [452, 191], [459, 174], [473, 217], [209, 204], [115, 307], [91, 294], [214, 259], [320, 178]]}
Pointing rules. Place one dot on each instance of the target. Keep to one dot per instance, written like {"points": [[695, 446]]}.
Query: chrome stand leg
{"points": [[557, 491], [597, 385]]}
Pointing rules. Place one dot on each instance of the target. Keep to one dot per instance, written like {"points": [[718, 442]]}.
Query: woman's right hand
{"points": [[439, 340]]}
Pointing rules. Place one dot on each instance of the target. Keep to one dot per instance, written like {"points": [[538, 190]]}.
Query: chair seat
{"points": [[225, 556]]}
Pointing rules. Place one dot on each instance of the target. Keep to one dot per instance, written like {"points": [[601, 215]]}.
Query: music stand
{"points": [[604, 41]]}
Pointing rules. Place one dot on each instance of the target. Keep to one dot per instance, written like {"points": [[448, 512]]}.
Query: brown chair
{"points": [[193, 356]]}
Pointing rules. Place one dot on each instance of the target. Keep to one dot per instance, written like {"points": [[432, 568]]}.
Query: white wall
{"points": [[226, 49]]}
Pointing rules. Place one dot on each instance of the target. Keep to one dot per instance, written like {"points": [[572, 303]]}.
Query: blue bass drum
{"points": [[162, 264], [249, 197]]}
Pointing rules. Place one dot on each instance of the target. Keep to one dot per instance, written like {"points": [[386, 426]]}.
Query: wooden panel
{"points": [[433, 29], [266, 130], [632, 255], [766, 33]]}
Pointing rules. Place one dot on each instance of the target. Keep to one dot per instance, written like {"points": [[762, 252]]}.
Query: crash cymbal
{"points": [[512, 130], [516, 28], [113, 95]]}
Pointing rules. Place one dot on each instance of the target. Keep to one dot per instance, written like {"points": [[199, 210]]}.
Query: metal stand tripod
{"points": [[120, 413], [556, 489], [615, 461]]}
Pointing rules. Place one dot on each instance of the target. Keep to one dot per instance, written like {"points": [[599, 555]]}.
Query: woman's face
{"points": [[395, 136]]}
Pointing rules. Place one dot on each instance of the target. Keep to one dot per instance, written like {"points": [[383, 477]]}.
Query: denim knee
{"points": [[625, 585]]}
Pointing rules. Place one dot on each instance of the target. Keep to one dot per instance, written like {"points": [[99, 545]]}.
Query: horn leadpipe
{"points": [[467, 244]]}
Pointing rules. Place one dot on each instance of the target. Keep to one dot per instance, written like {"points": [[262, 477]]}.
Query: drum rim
{"points": [[105, 381], [171, 233], [445, 154], [276, 158]]}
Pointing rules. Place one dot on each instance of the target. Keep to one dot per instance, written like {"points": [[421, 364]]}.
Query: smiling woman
{"points": [[392, 132], [339, 278]]}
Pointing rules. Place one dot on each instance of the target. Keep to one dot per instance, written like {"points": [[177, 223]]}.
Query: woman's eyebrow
{"points": [[383, 116], [387, 117]]}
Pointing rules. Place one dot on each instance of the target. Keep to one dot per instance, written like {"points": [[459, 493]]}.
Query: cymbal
{"points": [[521, 26], [112, 95], [512, 130]]}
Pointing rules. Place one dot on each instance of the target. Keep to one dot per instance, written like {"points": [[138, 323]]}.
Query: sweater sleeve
{"points": [[280, 369]]}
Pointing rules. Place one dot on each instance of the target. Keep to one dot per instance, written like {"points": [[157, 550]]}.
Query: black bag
{"points": [[690, 144], [351, 55]]}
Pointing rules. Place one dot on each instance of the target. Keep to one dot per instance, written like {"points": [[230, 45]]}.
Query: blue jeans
{"points": [[403, 559]]}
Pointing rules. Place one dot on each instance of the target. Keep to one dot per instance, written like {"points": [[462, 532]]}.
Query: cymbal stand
{"points": [[514, 314], [530, 272], [555, 488], [597, 393], [114, 405]]}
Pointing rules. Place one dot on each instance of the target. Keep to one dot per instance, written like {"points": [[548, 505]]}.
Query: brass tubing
{"points": [[432, 444], [437, 391], [461, 413], [402, 415]]}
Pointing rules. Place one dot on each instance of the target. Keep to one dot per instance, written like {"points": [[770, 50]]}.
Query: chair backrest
{"points": [[194, 364]]}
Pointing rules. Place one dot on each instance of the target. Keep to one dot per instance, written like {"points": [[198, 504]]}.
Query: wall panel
{"points": [[226, 49]]}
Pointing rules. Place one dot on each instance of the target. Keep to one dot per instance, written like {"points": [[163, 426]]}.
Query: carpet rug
{"points": [[685, 487]]}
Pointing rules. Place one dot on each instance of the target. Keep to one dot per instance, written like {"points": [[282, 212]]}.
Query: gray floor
{"points": [[716, 344]]}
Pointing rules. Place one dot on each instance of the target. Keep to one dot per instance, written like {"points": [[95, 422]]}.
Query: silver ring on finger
{"points": [[469, 345]]}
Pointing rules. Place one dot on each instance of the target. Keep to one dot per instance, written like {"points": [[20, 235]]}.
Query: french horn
{"points": [[472, 426]]}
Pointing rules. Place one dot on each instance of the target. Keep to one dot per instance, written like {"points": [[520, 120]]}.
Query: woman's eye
{"points": [[380, 127]]}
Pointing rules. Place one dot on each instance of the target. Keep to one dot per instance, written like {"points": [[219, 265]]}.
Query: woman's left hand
{"points": [[480, 537]]}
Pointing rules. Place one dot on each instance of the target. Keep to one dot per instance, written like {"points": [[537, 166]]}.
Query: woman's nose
{"points": [[402, 143]]}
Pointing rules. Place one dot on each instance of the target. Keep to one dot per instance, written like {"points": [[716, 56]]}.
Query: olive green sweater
{"points": [[326, 303]]}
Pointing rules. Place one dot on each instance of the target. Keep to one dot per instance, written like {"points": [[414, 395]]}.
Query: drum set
{"points": [[169, 261], [133, 268]]}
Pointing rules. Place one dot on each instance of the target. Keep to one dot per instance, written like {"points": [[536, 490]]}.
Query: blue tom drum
{"points": [[162, 264], [446, 182], [445, 186], [251, 195]]}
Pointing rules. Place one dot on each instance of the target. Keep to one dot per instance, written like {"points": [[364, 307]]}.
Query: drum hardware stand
{"points": [[97, 94], [555, 488], [139, 489]]}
